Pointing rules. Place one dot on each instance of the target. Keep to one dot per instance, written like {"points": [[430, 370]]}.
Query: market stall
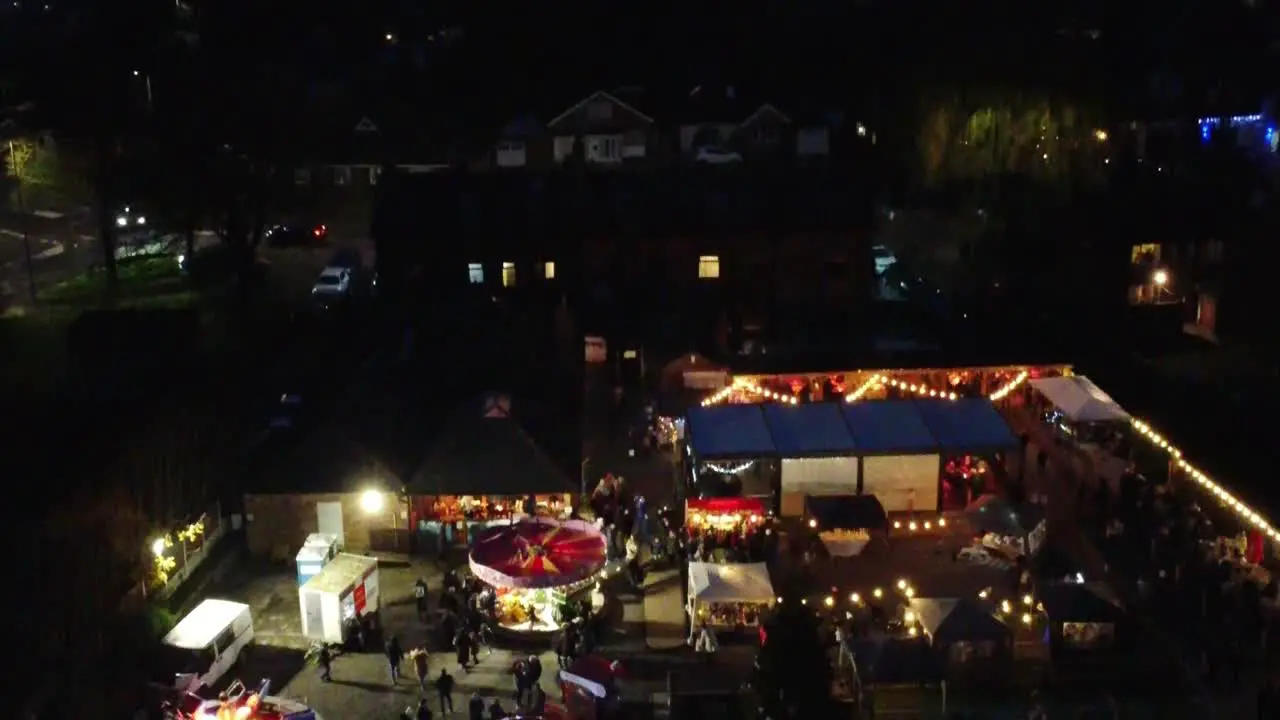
{"points": [[1080, 618], [818, 454], [1010, 531], [900, 457], [534, 566], [846, 524], [724, 529], [961, 629], [729, 595], [344, 590]]}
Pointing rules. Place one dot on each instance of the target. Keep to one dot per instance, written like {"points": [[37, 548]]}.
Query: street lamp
{"points": [[372, 501], [1101, 135]]}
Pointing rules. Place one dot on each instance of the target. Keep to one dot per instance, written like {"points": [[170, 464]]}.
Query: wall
{"points": [[280, 523]]}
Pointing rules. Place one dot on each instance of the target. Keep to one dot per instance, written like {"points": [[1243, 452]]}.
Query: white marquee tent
{"points": [[1079, 399], [730, 583]]}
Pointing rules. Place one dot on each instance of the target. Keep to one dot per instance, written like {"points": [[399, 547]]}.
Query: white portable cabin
{"points": [[345, 588]]}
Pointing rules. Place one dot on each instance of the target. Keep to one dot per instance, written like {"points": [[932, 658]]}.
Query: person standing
{"points": [[475, 708], [424, 710], [462, 644], [394, 656], [326, 664], [420, 597], [520, 673], [444, 686], [563, 647]]}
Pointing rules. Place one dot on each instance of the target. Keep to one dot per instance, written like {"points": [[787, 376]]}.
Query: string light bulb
{"points": [[1009, 387], [878, 593]]}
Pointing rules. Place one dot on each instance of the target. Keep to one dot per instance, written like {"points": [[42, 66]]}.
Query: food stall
{"points": [[729, 595], [458, 519], [345, 589], [590, 688], [846, 523], [534, 566], [723, 513]]}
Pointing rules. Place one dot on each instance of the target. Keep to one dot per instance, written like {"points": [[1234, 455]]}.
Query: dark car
{"points": [[293, 236]]}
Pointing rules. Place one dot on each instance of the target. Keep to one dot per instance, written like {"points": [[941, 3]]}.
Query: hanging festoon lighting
{"points": [[1243, 511], [921, 390], [1014, 384], [767, 393], [864, 388]]}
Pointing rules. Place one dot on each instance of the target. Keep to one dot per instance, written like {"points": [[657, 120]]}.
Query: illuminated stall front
{"points": [[899, 456], [534, 567], [973, 439], [485, 470], [817, 452], [730, 453]]}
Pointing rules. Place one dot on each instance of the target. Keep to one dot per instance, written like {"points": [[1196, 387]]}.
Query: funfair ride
{"points": [[533, 565]]}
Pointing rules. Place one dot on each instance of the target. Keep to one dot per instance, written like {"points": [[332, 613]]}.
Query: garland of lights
{"points": [[741, 468], [1013, 384]]}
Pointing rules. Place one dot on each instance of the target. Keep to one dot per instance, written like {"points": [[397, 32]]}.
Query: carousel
{"points": [[535, 567]]}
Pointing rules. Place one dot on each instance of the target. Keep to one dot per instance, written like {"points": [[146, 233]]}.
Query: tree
{"points": [[794, 677]]}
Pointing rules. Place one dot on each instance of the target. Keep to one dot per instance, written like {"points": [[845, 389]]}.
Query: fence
{"points": [[174, 557]]}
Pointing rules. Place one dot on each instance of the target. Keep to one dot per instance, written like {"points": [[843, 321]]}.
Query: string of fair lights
{"points": [[1026, 610]]}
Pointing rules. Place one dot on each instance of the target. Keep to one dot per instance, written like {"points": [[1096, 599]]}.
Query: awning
{"points": [[809, 429], [970, 424], [728, 430], [846, 512], [951, 620], [725, 506], [1079, 399], [730, 582], [886, 427]]}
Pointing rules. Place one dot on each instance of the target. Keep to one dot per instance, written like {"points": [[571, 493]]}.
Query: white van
{"points": [[207, 643]]}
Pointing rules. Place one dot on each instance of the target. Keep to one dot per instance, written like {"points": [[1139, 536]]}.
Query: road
{"points": [[61, 247]]}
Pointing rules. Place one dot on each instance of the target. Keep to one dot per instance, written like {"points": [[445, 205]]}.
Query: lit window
{"points": [[508, 274], [549, 270], [709, 267], [475, 273]]}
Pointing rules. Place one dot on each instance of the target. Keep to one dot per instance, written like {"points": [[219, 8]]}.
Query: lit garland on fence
{"points": [[914, 525], [1245, 512], [1014, 384], [1025, 610]]}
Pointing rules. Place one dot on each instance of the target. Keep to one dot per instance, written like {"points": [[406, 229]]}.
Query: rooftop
{"points": [[199, 628]]}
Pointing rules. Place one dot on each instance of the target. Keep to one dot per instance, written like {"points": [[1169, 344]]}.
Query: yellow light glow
{"points": [[1160, 277], [928, 525], [372, 501], [813, 523], [157, 547], [1027, 600], [902, 584], [878, 592], [779, 599], [1005, 606], [855, 599], [804, 601], [897, 524], [829, 601], [1100, 135], [909, 617], [912, 631], [983, 594], [912, 526], [1013, 384], [909, 592], [1026, 618], [942, 522]]}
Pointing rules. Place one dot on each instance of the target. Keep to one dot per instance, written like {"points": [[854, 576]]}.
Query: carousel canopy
{"points": [[991, 513], [730, 582], [809, 429], [846, 512], [950, 620], [729, 430], [538, 553], [489, 453], [970, 424], [1077, 602], [1079, 399], [888, 427]]}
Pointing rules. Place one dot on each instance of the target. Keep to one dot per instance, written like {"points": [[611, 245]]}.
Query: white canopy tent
{"points": [[730, 583], [1079, 399]]}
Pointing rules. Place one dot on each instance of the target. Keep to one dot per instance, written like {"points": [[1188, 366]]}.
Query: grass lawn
{"points": [[141, 283]]}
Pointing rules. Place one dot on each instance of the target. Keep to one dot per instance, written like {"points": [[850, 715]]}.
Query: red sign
{"points": [[360, 600], [725, 506]]}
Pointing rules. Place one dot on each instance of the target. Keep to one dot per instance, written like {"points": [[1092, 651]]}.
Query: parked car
{"points": [[333, 282], [717, 156], [297, 235]]}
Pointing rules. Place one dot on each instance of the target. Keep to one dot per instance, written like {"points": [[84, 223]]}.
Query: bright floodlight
{"points": [[1101, 135], [157, 547], [122, 221], [141, 220], [371, 501], [1160, 277]]}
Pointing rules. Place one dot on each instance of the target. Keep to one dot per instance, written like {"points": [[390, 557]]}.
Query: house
{"points": [[603, 130], [350, 153]]}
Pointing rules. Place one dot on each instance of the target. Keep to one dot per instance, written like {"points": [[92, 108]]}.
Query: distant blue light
{"points": [[1204, 130]]}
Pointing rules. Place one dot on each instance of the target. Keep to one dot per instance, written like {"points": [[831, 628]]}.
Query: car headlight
{"points": [[141, 220], [122, 221]]}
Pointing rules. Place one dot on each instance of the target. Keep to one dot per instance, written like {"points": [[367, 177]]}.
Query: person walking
{"points": [[420, 659], [394, 656], [420, 597], [706, 643], [444, 686], [462, 644], [564, 647], [475, 708], [521, 675], [326, 664]]}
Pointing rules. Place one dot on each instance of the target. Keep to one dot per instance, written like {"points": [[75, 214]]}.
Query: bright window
{"points": [[549, 270], [709, 267], [508, 274], [475, 273]]}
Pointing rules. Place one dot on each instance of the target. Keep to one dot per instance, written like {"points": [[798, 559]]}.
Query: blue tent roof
{"points": [[729, 431], [966, 424], [808, 429], [888, 426]]}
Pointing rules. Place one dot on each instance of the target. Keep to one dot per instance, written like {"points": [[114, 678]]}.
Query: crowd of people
{"points": [[742, 543]]}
